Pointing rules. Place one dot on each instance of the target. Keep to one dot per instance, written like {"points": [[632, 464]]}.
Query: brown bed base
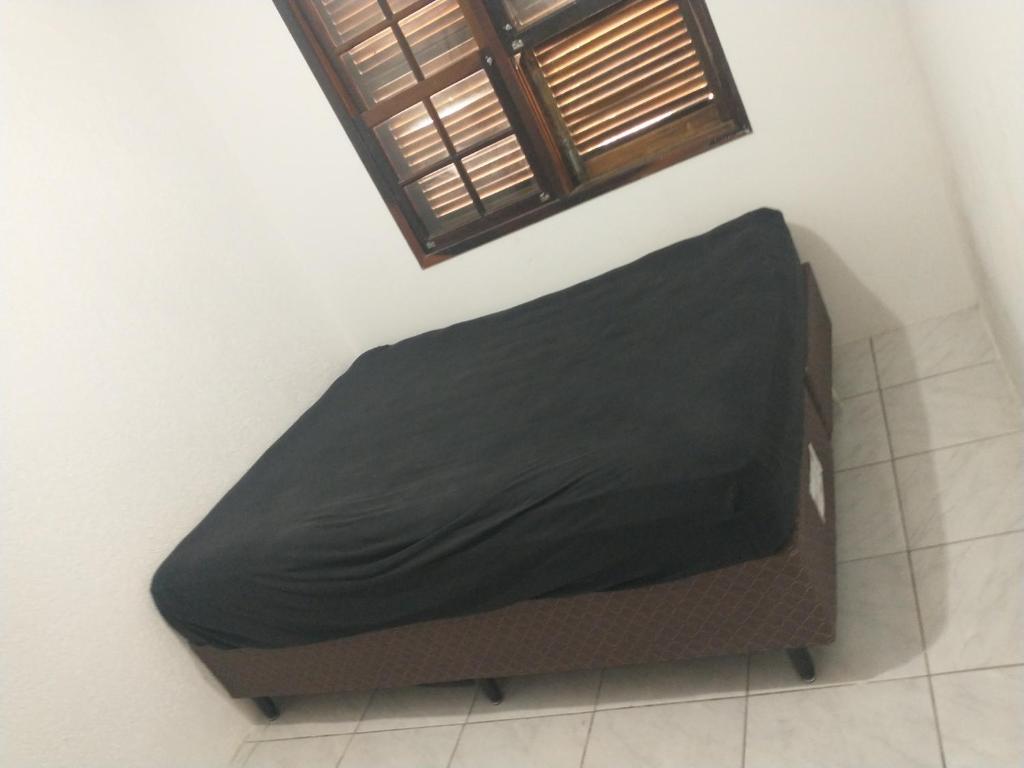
{"points": [[784, 601]]}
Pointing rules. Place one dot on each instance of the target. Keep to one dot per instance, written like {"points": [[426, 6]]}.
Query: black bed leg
{"points": [[267, 707], [802, 662], [491, 690]]}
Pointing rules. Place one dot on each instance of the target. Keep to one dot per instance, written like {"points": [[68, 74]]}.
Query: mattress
{"points": [[638, 427]]}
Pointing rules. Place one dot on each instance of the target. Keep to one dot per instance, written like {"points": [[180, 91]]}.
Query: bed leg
{"points": [[267, 706], [803, 663], [491, 690]]}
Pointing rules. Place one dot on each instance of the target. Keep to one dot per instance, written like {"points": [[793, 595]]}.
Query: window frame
{"points": [[498, 44]]}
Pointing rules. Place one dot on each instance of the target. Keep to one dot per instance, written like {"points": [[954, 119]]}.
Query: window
{"points": [[476, 117]]}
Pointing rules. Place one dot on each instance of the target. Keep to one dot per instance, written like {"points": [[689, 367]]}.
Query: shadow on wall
{"points": [[875, 639], [833, 275]]}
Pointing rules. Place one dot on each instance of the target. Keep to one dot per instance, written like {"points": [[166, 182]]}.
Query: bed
{"points": [[634, 469]]}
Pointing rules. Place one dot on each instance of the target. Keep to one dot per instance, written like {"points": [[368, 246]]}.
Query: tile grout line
{"points": [[668, 702], [968, 540], [344, 751], [353, 733], [239, 754], [365, 709], [865, 466], [462, 727], [829, 686], [910, 569], [930, 375], [879, 387], [926, 547], [874, 365], [355, 728], [894, 459], [993, 436], [593, 714], [862, 558], [968, 670]]}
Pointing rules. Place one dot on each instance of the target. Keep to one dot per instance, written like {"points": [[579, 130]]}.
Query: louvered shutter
{"points": [[623, 74]]}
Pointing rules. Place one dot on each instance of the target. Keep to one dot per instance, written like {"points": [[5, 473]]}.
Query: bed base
{"points": [[784, 601]]}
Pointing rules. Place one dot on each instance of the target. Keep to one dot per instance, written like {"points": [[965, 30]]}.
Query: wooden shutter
{"points": [[624, 74], [429, 107]]}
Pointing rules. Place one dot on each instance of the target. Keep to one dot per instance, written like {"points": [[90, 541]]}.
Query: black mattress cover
{"points": [[641, 426]]}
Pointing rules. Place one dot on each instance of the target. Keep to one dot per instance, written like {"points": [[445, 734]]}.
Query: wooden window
{"points": [[476, 117]]}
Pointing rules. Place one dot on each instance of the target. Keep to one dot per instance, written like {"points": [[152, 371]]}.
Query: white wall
{"points": [[974, 66], [157, 335], [844, 143], [192, 250]]}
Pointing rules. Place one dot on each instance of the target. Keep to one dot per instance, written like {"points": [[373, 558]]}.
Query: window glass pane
{"points": [[399, 5], [411, 141], [470, 110], [526, 12], [442, 201], [500, 174], [378, 68], [344, 19], [438, 35]]}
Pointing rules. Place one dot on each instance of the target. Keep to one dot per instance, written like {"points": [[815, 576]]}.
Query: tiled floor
{"points": [[928, 668]]}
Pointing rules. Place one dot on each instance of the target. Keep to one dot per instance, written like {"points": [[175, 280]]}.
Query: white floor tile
{"points": [[953, 408], [878, 637], [539, 695], [981, 717], [541, 742], [674, 681], [417, 707], [316, 716], [853, 369], [868, 521], [419, 747], [700, 733], [970, 490], [934, 346], [882, 725], [319, 752], [859, 432], [972, 602]]}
